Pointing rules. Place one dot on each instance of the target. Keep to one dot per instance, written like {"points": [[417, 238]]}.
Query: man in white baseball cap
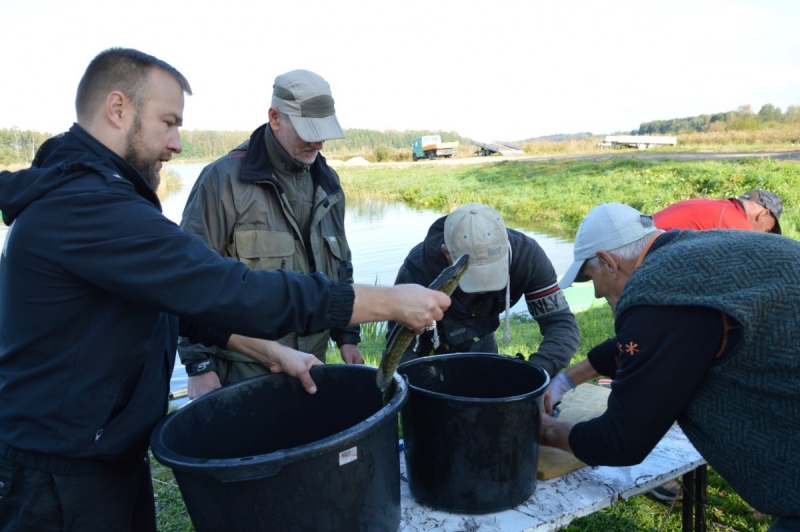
{"points": [[504, 266], [607, 227], [706, 335]]}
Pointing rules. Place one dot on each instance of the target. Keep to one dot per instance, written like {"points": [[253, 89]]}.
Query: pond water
{"points": [[380, 235]]}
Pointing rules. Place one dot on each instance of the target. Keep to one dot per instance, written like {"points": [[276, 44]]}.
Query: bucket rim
{"points": [[475, 400], [269, 464]]}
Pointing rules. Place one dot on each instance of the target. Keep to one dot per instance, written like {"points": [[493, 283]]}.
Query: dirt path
{"points": [[627, 154], [679, 156]]}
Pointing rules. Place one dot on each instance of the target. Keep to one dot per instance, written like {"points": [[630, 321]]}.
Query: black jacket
{"points": [[92, 279]]}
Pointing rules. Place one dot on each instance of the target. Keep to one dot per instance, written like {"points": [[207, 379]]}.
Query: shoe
{"points": [[671, 491]]}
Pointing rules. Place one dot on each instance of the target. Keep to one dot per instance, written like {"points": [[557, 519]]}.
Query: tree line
{"points": [[19, 146], [742, 119], [363, 140], [562, 137]]}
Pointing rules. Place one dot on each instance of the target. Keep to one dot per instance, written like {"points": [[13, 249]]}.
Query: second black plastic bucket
{"points": [[470, 428], [264, 455]]}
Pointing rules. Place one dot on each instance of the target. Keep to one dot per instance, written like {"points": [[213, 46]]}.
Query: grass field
{"points": [[553, 196]]}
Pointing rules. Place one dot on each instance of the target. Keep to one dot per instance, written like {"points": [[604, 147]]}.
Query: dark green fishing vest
{"points": [[745, 417]]}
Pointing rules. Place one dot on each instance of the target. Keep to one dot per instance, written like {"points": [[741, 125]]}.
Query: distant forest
{"points": [[19, 146], [203, 144], [742, 119], [561, 137]]}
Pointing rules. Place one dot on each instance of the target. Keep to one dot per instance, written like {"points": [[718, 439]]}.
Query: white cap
{"points": [[607, 227], [479, 230]]}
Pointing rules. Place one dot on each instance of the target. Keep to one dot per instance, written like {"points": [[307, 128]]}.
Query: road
{"points": [[678, 156], [609, 154]]}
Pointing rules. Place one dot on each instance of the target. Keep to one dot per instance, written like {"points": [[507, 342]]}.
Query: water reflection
{"points": [[174, 198], [370, 210], [171, 183], [380, 235]]}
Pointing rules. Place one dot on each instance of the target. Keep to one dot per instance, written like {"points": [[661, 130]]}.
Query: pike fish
{"points": [[400, 337]]}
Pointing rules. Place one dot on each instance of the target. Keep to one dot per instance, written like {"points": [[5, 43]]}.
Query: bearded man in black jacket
{"points": [[93, 278]]}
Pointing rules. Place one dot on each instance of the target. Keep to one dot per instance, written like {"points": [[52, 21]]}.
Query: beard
{"points": [[136, 155], [307, 158]]}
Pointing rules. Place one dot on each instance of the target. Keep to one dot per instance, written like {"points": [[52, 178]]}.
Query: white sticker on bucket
{"points": [[350, 455]]}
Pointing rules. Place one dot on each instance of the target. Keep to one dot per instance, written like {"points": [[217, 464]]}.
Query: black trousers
{"points": [[118, 500], [786, 523]]}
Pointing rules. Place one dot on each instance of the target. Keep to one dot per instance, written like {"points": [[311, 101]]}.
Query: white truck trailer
{"points": [[489, 148], [641, 142]]}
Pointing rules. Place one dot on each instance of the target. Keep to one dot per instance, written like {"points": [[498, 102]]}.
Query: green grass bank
{"points": [[552, 196]]}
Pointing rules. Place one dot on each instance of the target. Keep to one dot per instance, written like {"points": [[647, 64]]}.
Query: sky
{"points": [[496, 70]]}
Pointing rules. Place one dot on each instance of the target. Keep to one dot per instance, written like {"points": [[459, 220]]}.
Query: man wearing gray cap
{"points": [[706, 334], [757, 210], [504, 266], [273, 203]]}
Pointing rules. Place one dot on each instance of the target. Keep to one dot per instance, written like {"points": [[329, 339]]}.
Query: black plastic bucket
{"points": [[265, 455], [470, 428]]}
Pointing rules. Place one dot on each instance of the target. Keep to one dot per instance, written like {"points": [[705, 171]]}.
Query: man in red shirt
{"points": [[757, 210]]}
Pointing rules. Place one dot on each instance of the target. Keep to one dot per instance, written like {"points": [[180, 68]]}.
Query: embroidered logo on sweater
{"points": [[631, 348]]}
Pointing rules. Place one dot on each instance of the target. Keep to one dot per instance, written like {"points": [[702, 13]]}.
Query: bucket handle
{"points": [[254, 472]]}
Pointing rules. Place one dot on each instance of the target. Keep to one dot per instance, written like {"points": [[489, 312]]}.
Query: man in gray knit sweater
{"points": [[707, 334]]}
